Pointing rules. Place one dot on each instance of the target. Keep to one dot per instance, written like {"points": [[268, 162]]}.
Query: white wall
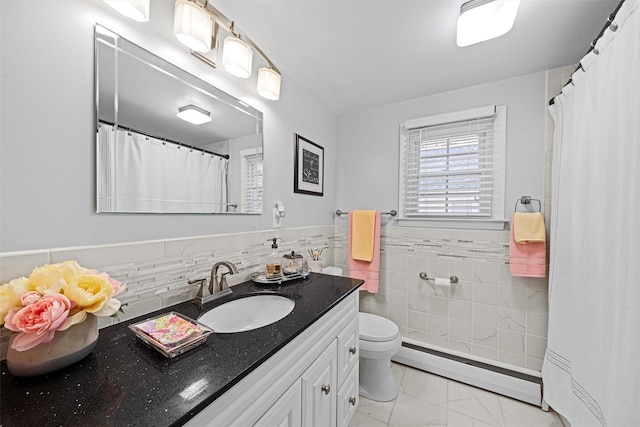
{"points": [[368, 141], [47, 154]]}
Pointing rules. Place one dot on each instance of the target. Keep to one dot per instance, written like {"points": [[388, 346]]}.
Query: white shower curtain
{"points": [[591, 371], [141, 174]]}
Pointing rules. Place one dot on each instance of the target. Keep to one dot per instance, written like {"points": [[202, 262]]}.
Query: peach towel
{"points": [[363, 230], [527, 259], [365, 270], [528, 227]]}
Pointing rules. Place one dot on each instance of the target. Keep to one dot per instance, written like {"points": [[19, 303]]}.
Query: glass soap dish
{"points": [[171, 334]]}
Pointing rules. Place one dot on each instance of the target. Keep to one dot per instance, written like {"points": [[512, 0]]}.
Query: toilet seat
{"points": [[377, 328]]}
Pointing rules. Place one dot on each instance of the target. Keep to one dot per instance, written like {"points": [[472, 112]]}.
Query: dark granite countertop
{"points": [[125, 383]]}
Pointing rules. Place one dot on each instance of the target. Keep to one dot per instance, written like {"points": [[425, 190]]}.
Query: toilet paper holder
{"points": [[424, 276]]}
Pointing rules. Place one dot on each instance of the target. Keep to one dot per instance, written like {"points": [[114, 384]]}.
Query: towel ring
{"points": [[526, 200]]}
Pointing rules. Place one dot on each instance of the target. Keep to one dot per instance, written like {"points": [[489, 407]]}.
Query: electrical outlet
{"points": [[277, 221]]}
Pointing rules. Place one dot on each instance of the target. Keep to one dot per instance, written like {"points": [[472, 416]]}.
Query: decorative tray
{"points": [[260, 277], [171, 334]]}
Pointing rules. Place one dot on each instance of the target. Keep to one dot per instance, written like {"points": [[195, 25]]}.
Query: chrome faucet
{"points": [[215, 286], [217, 289]]}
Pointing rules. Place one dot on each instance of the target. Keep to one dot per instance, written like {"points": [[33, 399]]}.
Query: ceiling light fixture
{"points": [[193, 26], [138, 10], [194, 115], [482, 20], [237, 50]]}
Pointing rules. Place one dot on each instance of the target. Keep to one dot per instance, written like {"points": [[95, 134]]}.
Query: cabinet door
{"points": [[348, 352], [287, 411], [319, 390], [348, 397]]}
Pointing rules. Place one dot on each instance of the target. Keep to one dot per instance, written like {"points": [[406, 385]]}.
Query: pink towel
{"points": [[528, 259], [365, 270]]}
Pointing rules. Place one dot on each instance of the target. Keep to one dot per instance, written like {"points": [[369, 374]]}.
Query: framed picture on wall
{"points": [[309, 167]]}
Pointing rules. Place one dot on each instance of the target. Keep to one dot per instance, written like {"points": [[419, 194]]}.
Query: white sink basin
{"points": [[245, 314]]}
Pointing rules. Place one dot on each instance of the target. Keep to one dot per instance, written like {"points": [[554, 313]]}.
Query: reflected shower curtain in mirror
{"points": [[591, 371], [141, 174]]}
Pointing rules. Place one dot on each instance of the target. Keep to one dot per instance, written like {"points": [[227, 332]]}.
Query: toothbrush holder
{"points": [[316, 265]]}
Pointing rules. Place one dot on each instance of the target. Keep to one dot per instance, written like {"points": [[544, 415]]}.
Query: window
{"points": [[452, 166], [251, 180]]}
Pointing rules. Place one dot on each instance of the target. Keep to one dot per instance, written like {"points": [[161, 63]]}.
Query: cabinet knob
{"points": [[326, 389], [352, 400], [353, 350]]}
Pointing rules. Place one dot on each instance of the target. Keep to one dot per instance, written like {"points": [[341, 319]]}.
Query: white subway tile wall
{"points": [[487, 313]]}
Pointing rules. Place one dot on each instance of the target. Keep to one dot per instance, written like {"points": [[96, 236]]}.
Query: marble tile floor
{"points": [[425, 399]]}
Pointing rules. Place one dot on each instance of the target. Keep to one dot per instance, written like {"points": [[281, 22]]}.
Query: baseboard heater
{"points": [[524, 385]]}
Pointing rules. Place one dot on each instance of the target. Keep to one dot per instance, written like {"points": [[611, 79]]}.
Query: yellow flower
{"points": [[51, 277], [92, 292], [10, 294]]}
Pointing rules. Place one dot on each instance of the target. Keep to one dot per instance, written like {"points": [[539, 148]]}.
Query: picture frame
{"points": [[308, 168]]}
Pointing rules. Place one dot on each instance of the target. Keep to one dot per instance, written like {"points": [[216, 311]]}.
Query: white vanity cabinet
{"points": [[287, 411], [319, 390], [348, 397], [311, 382]]}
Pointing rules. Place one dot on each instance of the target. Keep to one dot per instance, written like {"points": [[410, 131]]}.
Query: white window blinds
{"points": [[251, 180], [449, 166]]}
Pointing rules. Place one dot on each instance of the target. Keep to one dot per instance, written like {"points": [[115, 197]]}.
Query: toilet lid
{"points": [[377, 328]]}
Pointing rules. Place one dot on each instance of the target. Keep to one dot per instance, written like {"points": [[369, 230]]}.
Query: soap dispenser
{"points": [[274, 265]]}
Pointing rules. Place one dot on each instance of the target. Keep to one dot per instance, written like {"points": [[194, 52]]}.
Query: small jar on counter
{"points": [[292, 263]]}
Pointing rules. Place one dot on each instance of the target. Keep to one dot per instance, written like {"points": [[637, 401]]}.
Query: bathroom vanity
{"points": [[300, 370]]}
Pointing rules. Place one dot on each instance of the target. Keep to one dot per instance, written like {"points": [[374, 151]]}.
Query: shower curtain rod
{"points": [[224, 156], [593, 44]]}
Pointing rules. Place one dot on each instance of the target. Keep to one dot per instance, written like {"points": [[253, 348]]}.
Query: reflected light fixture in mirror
{"points": [[481, 20], [138, 10], [193, 26], [237, 57], [269, 84], [194, 115]]}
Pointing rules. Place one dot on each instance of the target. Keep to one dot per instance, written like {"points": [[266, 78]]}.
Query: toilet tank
{"points": [[334, 271]]}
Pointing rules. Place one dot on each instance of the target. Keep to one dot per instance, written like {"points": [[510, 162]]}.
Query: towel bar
{"points": [[526, 200], [392, 212]]}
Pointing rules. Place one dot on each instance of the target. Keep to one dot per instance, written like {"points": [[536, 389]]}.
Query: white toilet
{"points": [[379, 341]]}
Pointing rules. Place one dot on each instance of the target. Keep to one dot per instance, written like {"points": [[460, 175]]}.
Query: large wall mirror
{"points": [[149, 159]]}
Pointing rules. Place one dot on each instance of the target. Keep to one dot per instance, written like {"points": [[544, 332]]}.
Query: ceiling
{"points": [[357, 54]]}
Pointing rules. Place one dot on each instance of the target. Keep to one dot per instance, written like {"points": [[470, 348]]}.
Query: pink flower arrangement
{"points": [[54, 298]]}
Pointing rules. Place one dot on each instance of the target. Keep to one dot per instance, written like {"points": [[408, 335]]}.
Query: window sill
{"points": [[473, 224]]}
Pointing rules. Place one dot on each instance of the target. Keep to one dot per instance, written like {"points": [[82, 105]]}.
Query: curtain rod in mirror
{"points": [[160, 138]]}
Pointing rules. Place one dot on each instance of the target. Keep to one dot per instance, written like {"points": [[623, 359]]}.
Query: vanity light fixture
{"points": [[237, 57], [237, 49], [269, 83], [482, 20], [193, 26], [194, 115], [138, 10]]}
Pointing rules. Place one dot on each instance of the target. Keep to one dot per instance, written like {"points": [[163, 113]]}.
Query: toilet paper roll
{"points": [[438, 281]]}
